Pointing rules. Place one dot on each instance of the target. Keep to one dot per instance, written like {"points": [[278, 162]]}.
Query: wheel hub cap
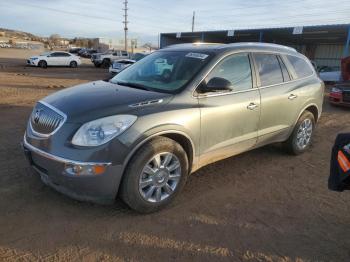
{"points": [[304, 134], [160, 177]]}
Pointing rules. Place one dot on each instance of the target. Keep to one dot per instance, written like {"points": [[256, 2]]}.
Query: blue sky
{"points": [[90, 18]]}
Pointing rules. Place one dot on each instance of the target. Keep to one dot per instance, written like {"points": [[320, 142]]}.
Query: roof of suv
{"points": [[218, 48]]}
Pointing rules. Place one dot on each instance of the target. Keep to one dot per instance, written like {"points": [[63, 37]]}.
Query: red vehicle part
{"points": [[345, 68]]}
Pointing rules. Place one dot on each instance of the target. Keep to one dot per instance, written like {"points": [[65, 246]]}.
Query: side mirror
{"points": [[217, 84]]}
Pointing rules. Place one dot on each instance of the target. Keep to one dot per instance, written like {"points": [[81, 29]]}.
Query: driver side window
{"points": [[235, 69]]}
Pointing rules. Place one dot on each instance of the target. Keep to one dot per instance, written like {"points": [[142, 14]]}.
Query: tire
{"points": [[97, 65], [131, 191], [106, 63], [73, 64], [42, 64], [295, 145]]}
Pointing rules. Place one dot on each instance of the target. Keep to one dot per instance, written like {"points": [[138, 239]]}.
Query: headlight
{"points": [[336, 90], [102, 130]]}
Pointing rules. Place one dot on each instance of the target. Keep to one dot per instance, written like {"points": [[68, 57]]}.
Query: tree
{"points": [[149, 46], [54, 39]]}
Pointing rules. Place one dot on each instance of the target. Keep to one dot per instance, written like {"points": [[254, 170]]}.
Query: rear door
{"points": [[229, 120], [64, 59], [52, 59], [279, 98]]}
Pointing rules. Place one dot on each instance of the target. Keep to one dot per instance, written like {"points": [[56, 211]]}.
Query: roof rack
{"points": [[261, 44], [192, 44]]}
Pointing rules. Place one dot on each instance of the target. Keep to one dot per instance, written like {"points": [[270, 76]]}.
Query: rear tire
{"points": [[73, 64], [301, 138], [155, 175], [42, 64]]}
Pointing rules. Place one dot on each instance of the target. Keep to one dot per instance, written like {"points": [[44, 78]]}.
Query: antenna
{"points": [[125, 22]]}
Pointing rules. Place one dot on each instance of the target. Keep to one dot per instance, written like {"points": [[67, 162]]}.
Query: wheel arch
{"points": [[314, 110], [178, 136]]}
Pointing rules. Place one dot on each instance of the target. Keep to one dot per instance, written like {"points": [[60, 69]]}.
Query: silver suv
{"points": [[106, 59], [139, 135]]}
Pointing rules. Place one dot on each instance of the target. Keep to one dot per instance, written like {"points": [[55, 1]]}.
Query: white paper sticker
{"points": [[178, 35], [231, 33], [298, 30], [197, 55]]}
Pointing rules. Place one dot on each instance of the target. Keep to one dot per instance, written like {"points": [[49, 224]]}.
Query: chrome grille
{"points": [[45, 119]]}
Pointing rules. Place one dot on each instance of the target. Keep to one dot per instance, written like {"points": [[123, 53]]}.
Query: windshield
{"points": [[164, 71], [137, 56]]}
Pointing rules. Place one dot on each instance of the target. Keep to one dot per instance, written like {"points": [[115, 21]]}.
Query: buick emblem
{"points": [[37, 116]]}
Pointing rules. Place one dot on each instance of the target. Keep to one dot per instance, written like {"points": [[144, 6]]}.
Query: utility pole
{"points": [[194, 13], [125, 22]]}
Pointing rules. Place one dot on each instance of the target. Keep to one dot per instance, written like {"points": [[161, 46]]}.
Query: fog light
{"points": [[84, 170]]}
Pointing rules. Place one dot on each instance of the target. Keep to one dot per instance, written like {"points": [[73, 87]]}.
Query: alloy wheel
{"points": [[304, 134], [160, 177]]}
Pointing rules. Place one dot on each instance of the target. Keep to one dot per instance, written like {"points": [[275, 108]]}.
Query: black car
{"points": [[87, 53], [74, 50]]}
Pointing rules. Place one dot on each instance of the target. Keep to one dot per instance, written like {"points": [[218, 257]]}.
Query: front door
{"points": [[229, 120]]}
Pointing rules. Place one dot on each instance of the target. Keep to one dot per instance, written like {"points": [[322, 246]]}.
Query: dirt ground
{"points": [[263, 205]]}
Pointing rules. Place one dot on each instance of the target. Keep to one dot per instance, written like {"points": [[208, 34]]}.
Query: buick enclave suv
{"points": [[139, 135]]}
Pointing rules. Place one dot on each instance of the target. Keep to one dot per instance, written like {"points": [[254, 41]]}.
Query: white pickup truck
{"points": [[107, 58]]}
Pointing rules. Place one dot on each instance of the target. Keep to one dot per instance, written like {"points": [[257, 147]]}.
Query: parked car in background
{"points": [[105, 59], [340, 94], [141, 134], [74, 50], [54, 58], [87, 53], [330, 74], [5, 45], [119, 65]]}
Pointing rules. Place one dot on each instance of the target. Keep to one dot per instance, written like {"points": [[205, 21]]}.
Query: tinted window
{"points": [[124, 53], [60, 54], [64, 54], [269, 69], [286, 76], [301, 68], [235, 69]]}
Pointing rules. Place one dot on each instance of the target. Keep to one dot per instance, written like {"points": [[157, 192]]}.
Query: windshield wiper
{"points": [[133, 85]]}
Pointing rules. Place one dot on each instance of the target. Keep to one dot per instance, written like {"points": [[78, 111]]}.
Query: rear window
{"points": [[269, 69], [301, 67]]}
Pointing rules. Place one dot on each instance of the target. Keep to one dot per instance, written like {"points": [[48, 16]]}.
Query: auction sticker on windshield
{"points": [[197, 55]]}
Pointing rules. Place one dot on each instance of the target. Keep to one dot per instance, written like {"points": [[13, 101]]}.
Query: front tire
{"points": [[155, 175], [301, 138], [106, 63], [42, 64]]}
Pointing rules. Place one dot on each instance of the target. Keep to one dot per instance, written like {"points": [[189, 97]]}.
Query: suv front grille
{"points": [[45, 119]]}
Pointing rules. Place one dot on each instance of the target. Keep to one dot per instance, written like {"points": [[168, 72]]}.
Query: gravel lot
{"points": [[263, 205]]}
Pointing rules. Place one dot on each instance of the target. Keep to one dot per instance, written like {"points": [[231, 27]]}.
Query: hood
{"points": [[97, 99]]}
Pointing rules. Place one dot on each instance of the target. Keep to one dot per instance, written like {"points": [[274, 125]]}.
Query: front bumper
{"points": [[337, 99], [114, 70], [32, 62], [101, 189]]}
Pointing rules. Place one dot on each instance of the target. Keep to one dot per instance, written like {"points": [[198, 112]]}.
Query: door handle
{"points": [[252, 106], [292, 96]]}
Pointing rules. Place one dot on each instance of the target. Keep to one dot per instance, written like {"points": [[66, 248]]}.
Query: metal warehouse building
{"points": [[324, 44]]}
